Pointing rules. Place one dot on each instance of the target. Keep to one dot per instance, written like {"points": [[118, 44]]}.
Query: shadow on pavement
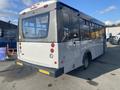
{"points": [[107, 63], [15, 72]]}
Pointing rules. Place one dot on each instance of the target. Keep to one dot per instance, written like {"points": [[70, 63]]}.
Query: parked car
{"points": [[108, 36], [115, 39]]}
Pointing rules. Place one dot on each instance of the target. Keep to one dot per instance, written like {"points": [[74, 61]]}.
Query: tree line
{"points": [[113, 25]]}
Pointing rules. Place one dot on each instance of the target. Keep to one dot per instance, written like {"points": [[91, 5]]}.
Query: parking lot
{"points": [[103, 74]]}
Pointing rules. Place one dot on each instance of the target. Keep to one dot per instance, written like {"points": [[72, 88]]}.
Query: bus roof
{"points": [[38, 5], [85, 15], [43, 3]]}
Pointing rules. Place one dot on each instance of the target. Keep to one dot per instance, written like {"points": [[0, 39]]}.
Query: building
{"points": [[112, 31], [8, 34]]}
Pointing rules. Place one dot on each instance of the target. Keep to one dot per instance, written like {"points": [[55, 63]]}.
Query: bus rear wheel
{"points": [[86, 61]]}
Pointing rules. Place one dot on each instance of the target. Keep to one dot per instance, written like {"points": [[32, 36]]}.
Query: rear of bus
{"points": [[37, 44]]}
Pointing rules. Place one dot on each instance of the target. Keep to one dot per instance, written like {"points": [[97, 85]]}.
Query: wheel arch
{"points": [[86, 62], [89, 54]]}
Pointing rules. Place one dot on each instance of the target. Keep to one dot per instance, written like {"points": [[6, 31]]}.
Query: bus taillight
{"points": [[55, 62], [52, 45], [20, 46], [52, 50]]}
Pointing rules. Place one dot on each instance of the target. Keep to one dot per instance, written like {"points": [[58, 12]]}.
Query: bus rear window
{"points": [[36, 27]]}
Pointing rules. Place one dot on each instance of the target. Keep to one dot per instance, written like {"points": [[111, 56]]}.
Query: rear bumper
{"points": [[45, 70]]}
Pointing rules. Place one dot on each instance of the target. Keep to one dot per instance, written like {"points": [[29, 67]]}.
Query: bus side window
{"points": [[99, 31], [74, 26], [84, 29], [70, 25], [66, 24], [103, 35], [92, 31], [1, 32]]}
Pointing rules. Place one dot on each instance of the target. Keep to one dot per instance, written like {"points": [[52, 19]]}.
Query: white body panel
{"points": [[38, 54], [72, 54]]}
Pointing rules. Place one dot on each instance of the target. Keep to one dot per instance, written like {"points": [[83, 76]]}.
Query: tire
{"points": [[86, 61]]}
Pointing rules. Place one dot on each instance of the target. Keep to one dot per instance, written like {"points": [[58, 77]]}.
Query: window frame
{"points": [[87, 23], [36, 16], [1, 32], [68, 26]]}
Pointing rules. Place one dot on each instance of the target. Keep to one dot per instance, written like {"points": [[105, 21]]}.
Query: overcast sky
{"points": [[107, 11]]}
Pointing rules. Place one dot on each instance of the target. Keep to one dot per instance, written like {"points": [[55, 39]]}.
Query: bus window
{"points": [[74, 26], [102, 29], [84, 30], [98, 31], [35, 27], [92, 31], [65, 24], [70, 25], [0, 32]]}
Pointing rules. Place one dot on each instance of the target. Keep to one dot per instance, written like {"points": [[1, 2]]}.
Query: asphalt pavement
{"points": [[103, 74]]}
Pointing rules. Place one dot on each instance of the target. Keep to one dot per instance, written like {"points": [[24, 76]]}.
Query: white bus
{"points": [[56, 38]]}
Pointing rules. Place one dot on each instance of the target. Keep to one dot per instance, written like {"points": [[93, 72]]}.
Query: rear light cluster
{"points": [[37, 6], [20, 46], [52, 47], [52, 51]]}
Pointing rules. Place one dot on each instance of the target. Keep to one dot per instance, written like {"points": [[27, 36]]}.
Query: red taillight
{"points": [[20, 46], [55, 62], [19, 43], [52, 44], [52, 50]]}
